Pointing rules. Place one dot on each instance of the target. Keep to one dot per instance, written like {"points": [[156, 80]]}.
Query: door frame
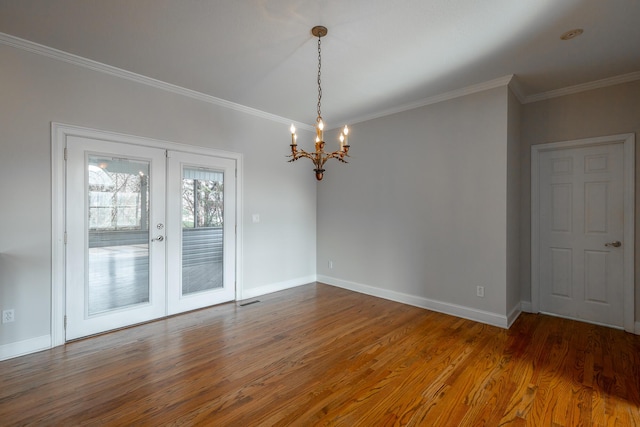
{"points": [[59, 134], [628, 141]]}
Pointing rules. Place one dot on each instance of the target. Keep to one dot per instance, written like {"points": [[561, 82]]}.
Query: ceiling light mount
{"points": [[319, 156], [319, 31], [571, 34]]}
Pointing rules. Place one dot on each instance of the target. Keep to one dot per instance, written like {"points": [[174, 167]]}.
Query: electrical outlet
{"points": [[480, 291], [8, 316], [330, 264]]}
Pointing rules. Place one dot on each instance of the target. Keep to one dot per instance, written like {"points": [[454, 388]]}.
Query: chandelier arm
{"points": [[300, 154], [336, 155], [319, 154]]}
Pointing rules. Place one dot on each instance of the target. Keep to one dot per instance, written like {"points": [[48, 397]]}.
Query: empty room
{"points": [[349, 213]]}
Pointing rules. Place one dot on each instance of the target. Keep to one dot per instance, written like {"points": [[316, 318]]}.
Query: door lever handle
{"points": [[615, 244], [159, 239]]}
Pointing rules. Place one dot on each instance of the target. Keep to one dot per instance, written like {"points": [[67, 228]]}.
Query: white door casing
{"points": [[582, 202]]}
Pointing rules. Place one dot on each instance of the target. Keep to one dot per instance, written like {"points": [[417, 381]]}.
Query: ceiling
{"points": [[378, 56]]}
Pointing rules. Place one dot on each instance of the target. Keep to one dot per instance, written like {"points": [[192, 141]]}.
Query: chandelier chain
{"points": [[319, 74]]}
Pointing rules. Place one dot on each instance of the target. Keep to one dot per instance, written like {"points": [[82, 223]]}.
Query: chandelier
{"points": [[319, 156]]}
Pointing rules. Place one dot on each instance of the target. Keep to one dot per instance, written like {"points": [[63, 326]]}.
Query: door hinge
{"points": [[65, 153], [65, 322], [65, 237]]}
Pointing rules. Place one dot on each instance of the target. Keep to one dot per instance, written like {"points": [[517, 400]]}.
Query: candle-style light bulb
{"points": [[341, 142], [345, 132], [293, 134], [320, 129]]}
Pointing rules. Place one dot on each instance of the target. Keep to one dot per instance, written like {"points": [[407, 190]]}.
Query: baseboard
{"points": [[526, 306], [481, 316], [20, 348], [514, 314], [275, 287]]}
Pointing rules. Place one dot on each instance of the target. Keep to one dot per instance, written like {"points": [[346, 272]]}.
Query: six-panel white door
{"points": [[581, 246]]}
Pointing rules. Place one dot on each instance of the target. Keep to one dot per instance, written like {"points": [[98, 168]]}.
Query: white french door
{"points": [[201, 236], [150, 232]]}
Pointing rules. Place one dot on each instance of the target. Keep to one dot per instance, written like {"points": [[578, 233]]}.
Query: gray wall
{"points": [[422, 207], [514, 182], [36, 90], [434, 202], [607, 111]]}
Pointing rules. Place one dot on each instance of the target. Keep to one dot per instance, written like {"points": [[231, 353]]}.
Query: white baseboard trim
{"points": [[481, 316], [514, 314], [20, 348], [275, 287], [526, 306]]}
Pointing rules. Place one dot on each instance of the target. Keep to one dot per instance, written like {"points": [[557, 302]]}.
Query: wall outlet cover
{"points": [[8, 316]]}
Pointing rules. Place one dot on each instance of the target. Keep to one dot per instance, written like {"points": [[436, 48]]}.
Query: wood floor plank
{"points": [[320, 355]]}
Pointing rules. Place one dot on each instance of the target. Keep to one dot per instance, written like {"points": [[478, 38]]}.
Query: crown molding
{"points": [[517, 89], [491, 84], [70, 58], [570, 90], [509, 80]]}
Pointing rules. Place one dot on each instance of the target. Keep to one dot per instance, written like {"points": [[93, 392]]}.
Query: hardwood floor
{"points": [[319, 355]]}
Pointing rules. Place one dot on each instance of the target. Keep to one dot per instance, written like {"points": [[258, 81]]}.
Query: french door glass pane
{"points": [[118, 244], [202, 230]]}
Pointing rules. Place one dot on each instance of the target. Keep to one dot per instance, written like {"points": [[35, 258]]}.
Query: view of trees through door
{"points": [[118, 216], [202, 229], [150, 232], [118, 220]]}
